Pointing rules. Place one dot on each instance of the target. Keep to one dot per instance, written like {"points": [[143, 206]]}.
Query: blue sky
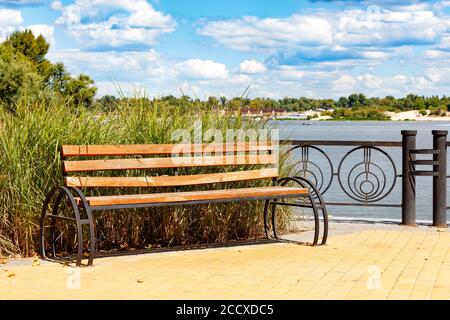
{"points": [[278, 48]]}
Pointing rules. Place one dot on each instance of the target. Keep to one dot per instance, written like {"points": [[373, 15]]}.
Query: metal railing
{"points": [[367, 181]]}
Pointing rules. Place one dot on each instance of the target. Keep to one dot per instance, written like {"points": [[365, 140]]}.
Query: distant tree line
{"points": [[354, 107], [354, 101]]}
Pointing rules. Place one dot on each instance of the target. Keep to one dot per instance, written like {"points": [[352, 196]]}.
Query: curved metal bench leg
{"points": [[90, 222], [316, 220], [60, 194], [266, 219], [42, 219], [63, 191], [325, 221], [313, 197], [322, 207], [274, 219], [270, 205], [53, 223], [92, 238]]}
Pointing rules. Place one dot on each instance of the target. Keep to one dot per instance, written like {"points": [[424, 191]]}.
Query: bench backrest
{"points": [[164, 156]]}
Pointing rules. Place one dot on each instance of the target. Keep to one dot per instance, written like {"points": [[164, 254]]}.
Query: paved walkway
{"points": [[378, 263]]}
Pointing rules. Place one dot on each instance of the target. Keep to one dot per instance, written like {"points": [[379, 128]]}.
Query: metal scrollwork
{"points": [[367, 181], [312, 170]]}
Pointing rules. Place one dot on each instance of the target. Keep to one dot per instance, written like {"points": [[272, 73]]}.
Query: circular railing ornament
{"points": [[367, 181], [314, 170]]}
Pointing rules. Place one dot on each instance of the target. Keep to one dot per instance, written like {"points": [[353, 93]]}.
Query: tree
{"points": [[81, 89], [342, 102], [419, 104], [328, 104], [58, 78], [18, 77], [25, 72], [213, 102], [363, 100], [33, 48], [108, 99], [356, 100], [24, 42], [353, 100]]}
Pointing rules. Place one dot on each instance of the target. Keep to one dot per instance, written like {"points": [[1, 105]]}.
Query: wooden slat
{"points": [[174, 197], [172, 162], [163, 149], [170, 181]]}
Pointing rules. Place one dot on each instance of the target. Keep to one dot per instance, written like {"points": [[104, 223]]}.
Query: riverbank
{"points": [[413, 115]]}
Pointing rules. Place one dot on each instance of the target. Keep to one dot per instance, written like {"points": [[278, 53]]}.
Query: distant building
{"points": [[272, 113], [294, 116]]}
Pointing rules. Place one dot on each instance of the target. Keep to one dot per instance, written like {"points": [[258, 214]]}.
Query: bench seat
{"points": [[261, 193]]}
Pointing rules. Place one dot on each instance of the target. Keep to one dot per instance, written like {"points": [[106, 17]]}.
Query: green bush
{"points": [[364, 113], [435, 112]]}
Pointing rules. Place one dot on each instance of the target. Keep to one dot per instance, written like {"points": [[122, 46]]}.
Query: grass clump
{"points": [[30, 166]]}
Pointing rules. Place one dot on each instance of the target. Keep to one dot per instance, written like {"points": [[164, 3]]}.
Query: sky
{"points": [[275, 48]]}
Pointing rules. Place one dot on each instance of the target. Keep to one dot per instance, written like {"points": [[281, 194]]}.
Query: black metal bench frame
{"points": [[313, 200]]}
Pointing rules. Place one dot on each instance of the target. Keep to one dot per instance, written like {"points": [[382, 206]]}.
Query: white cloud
{"points": [[374, 55], [412, 6], [438, 76], [388, 28], [110, 60], [250, 33], [344, 84], [286, 73], [324, 35], [56, 5], [130, 65], [119, 88], [10, 21], [433, 54], [370, 81], [440, 52], [201, 69], [444, 44], [441, 5], [252, 67], [114, 24]]}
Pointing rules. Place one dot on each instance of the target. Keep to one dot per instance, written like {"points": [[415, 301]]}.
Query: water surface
{"points": [[367, 131]]}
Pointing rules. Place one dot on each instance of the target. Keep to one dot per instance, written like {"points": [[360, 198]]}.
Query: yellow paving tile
{"points": [[373, 264]]}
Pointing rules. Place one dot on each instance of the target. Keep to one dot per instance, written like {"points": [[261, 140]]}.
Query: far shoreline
{"points": [[404, 116]]}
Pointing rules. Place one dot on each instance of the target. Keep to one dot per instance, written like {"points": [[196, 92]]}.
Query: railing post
{"points": [[440, 180], [408, 180]]}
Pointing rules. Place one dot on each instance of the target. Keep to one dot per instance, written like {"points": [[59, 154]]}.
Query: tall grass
{"points": [[30, 166]]}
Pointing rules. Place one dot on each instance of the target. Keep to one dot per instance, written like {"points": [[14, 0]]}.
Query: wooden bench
{"points": [[260, 157]]}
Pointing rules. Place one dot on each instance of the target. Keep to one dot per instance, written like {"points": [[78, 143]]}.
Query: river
{"points": [[370, 131]]}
